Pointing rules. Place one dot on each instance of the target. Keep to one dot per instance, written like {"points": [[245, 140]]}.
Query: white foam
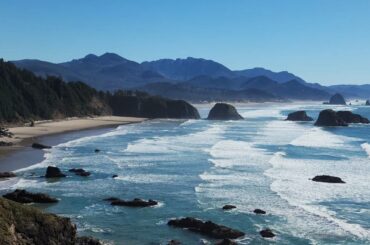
{"points": [[317, 137], [366, 147]]}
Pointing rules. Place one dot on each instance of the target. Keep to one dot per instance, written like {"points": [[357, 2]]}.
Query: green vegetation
{"points": [[25, 96]]}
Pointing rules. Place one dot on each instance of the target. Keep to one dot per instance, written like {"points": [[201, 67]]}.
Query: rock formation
{"points": [[328, 179], [223, 111], [337, 99], [207, 228], [299, 116]]}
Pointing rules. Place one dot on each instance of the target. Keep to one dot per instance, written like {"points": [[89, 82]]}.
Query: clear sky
{"points": [[325, 41]]}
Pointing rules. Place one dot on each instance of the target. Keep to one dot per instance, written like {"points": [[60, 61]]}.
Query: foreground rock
{"points": [[350, 117], [80, 172], [327, 179], [329, 118], [40, 146], [207, 228], [223, 111], [54, 172], [23, 196], [337, 99], [86, 240], [299, 116], [228, 207], [226, 242], [27, 225], [4, 143], [267, 233], [259, 211], [7, 175], [137, 202]]}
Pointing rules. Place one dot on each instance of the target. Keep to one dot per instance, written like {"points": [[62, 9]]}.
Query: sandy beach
{"points": [[25, 135]]}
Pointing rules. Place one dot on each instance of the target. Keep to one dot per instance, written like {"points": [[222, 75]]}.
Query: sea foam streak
{"points": [[366, 147]]}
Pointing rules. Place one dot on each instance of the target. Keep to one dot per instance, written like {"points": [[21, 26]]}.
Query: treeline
{"points": [[25, 96]]}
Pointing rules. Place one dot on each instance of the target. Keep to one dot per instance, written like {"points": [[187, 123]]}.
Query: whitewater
{"points": [[194, 167]]}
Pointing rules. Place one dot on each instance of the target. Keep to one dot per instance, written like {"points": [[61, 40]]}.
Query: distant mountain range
{"points": [[190, 79]]}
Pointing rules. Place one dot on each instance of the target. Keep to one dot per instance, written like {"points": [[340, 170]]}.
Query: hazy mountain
{"points": [[352, 91], [196, 94], [111, 72], [108, 71], [185, 69]]}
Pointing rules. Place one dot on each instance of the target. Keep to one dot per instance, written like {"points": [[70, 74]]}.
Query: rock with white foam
{"points": [[223, 111]]}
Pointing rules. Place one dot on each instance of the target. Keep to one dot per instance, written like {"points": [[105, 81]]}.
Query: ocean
{"points": [[194, 167]]}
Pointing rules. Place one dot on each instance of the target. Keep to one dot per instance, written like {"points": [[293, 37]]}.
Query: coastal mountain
{"points": [[25, 96], [112, 72]]}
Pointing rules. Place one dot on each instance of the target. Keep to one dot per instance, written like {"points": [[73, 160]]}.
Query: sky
{"points": [[326, 41]]}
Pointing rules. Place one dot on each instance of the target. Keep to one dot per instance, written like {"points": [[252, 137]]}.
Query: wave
{"points": [[317, 137], [366, 147]]}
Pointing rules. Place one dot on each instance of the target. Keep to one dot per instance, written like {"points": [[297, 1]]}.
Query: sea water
{"points": [[194, 167]]}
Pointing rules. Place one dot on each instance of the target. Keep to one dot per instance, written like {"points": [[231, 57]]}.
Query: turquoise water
{"points": [[195, 167]]}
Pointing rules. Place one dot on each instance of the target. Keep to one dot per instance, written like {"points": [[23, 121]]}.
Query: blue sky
{"points": [[325, 41]]}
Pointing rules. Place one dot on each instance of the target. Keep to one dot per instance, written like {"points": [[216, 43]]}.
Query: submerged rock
{"points": [[226, 242], [23, 196], [329, 118], [22, 224], [54, 172], [7, 175], [174, 242], [111, 199], [223, 111], [259, 211], [337, 99], [267, 233], [228, 207], [327, 179], [350, 117], [207, 228], [40, 146], [114, 176], [96, 150], [137, 202], [80, 172], [299, 116]]}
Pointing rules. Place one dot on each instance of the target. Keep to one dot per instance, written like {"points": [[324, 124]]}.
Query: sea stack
{"points": [[367, 102], [299, 116], [337, 99], [329, 118], [223, 111]]}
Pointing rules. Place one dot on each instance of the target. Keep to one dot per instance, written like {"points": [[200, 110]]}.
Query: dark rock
{"points": [[174, 242], [350, 117], [80, 172], [299, 116], [337, 99], [259, 211], [23, 196], [367, 102], [84, 240], [327, 179], [226, 242], [111, 199], [96, 150], [329, 118], [267, 233], [4, 132], [114, 176], [207, 228], [40, 146], [223, 111], [3, 143], [23, 224], [228, 207], [7, 175], [137, 202], [54, 172]]}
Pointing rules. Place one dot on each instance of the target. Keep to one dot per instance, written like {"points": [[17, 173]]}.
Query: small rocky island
{"points": [[337, 99], [328, 179], [341, 118], [223, 111], [299, 116]]}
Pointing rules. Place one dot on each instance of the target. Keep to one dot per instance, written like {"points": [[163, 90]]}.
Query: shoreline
{"points": [[21, 154]]}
